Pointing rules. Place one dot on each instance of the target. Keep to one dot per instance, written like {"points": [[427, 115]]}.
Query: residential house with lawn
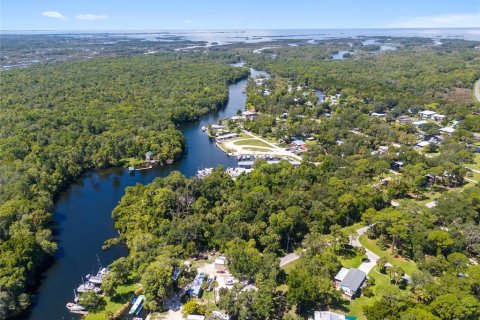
{"points": [[350, 281]]}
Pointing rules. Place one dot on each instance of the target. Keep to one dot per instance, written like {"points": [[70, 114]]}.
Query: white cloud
{"points": [[54, 15], [454, 20], [188, 21], [91, 17]]}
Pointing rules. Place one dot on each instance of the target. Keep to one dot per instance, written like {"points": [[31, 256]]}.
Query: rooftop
{"points": [[354, 279]]}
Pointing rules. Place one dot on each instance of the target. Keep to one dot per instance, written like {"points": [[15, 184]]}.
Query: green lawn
{"points": [[292, 265], [355, 306], [351, 262], [251, 142], [123, 292], [407, 265]]}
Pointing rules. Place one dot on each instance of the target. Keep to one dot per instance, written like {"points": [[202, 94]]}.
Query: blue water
{"points": [[83, 212]]}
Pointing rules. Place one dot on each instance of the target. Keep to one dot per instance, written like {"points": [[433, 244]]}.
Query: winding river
{"points": [[83, 211]]}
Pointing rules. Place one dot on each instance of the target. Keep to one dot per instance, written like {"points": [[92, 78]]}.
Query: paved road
{"points": [[288, 258], [474, 170], [368, 265], [476, 89]]}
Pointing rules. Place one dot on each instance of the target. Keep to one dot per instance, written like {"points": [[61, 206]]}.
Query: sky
{"points": [[240, 14]]}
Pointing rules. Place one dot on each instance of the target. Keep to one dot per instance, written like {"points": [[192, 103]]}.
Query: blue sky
{"points": [[240, 14]]}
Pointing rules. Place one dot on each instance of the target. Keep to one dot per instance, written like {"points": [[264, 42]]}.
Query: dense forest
{"points": [[58, 120], [262, 215]]}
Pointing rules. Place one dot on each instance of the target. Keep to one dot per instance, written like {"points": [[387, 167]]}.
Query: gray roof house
{"points": [[350, 281]]}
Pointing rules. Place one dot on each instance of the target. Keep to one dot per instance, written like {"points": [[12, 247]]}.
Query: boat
{"points": [[75, 307], [86, 286], [137, 305], [204, 128], [97, 279]]}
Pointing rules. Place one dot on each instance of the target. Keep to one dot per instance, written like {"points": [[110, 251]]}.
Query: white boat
{"points": [[204, 128], [88, 286], [75, 307]]}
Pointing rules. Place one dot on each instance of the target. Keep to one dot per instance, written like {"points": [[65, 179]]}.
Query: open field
{"points": [[251, 142], [460, 95]]}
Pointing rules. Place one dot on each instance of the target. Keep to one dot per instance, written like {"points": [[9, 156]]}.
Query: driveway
{"points": [[372, 258], [288, 259]]}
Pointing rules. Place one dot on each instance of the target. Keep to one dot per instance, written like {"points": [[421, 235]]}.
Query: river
{"points": [[83, 212]]}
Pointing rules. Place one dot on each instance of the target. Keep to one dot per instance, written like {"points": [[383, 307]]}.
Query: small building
{"points": [[422, 144], [378, 115], [419, 123], [397, 165], [149, 156], [249, 114], [350, 281], [427, 114], [226, 137], [196, 287], [447, 130], [195, 317], [298, 144], [220, 264], [404, 119], [329, 315], [438, 117]]}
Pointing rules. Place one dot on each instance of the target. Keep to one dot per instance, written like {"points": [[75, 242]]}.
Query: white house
{"points": [[447, 130], [427, 114]]}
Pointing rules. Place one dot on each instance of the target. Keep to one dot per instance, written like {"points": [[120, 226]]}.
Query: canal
{"points": [[83, 212]]}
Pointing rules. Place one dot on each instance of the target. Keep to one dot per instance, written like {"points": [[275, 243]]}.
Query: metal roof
{"points": [[354, 279]]}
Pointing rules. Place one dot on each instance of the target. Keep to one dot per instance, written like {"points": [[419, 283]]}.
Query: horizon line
{"points": [[237, 29]]}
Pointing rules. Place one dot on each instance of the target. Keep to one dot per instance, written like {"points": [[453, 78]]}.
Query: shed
{"points": [[220, 263]]}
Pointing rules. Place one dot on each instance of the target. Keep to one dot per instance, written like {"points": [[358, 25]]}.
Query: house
{"points": [[422, 144], [350, 281], [447, 130], [404, 119], [196, 286], [250, 115], [438, 117], [329, 315], [379, 115], [298, 145], [149, 156], [427, 114], [220, 263], [195, 317], [419, 123]]}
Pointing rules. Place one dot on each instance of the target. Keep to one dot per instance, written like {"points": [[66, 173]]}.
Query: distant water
{"points": [[256, 36]]}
